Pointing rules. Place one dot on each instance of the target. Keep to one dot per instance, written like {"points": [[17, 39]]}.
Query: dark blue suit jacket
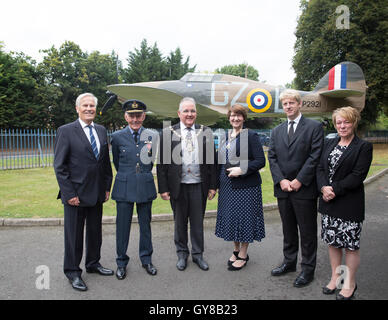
{"points": [[134, 180], [78, 171], [254, 159]]}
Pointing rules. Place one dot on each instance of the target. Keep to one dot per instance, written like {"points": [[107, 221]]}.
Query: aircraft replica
{"points": [[343, 85]]}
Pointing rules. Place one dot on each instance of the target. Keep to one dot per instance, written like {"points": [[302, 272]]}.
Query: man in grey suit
{"points": [[84, 174], [293, 155], [132, 157], [187, 177]]}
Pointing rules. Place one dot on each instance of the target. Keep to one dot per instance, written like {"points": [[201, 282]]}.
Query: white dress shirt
{"points": [[296, 121], [189, 157], [86, 129]]}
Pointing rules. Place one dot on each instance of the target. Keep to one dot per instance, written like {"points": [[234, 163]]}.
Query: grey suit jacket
{"points": [[297, 159]]}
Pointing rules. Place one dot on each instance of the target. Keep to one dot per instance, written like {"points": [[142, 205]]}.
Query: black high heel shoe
{"points": [[341, 297], [230, 262], [233, 268], [326, 290]]}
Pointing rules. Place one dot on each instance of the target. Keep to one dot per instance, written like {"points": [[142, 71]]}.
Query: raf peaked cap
{"points": [[131, 106]]}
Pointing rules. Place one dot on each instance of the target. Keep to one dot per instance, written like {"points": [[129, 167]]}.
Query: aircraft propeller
{"points": [[111, 100]]}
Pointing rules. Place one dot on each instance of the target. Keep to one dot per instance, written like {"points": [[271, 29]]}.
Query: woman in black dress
{"points": [[344, 165], [240, 210]]}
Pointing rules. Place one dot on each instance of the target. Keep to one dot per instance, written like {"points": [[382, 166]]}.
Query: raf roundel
{"points": [[259, 100]]}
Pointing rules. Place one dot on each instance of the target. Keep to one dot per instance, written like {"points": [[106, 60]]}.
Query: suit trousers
{"points": [[74, 221], [123, 229], [190, 205], [299, 213]]}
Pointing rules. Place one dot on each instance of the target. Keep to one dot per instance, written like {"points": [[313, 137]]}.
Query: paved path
{"points": [[23, 249]]}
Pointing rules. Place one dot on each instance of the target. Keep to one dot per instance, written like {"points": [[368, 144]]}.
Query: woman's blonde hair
{"points": [[349, 113]]}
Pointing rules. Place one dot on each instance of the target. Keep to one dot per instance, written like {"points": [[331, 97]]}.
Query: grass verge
{"points": [[32, 193]]}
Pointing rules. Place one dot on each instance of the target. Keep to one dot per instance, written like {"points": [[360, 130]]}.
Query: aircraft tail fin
{"points": [[345, 79]]}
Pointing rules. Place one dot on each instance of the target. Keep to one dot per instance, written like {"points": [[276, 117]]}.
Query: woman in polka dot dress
{"points": [[240, 210]]}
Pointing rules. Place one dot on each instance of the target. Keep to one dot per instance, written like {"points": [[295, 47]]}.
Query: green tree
{"points": [[148, 64], [102, 70], [241, 70], [145, 64], [20, 105], [65, 72], [177, 69], [68, 72], [321, 44]]}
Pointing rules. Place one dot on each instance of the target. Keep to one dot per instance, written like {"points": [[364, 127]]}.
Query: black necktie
{"points": [[135, 135], [291, 131]]}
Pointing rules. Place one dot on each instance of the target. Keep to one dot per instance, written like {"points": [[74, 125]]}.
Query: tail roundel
{"points": [[345, 79]]}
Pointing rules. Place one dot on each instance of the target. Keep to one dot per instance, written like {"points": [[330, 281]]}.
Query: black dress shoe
{"points": [[283, 269], [78, 284], [181, 264], [121, 273], [341, 297], [303, 280], [201, 263], [150, 269], [100, 270]]}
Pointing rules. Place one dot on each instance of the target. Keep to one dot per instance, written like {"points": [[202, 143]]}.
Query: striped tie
{"points": [[93, 141]]}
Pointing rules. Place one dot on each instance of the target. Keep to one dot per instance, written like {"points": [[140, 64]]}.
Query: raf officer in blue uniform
{"points": [[134, 183]]}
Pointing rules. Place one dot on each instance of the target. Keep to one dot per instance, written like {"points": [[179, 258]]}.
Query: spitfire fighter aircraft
{"points": [[343, 85]]}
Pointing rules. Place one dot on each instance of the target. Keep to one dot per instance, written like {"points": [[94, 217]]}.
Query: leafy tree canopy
{"points": [[242, 70], [321, 43]]}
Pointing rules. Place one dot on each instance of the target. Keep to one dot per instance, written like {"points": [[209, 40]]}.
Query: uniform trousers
{"points": [[74, 222], [123, 229], [299, 214], [190, 205]]}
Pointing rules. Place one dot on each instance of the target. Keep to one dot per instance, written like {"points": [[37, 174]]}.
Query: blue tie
{"points": [[93, 141]]}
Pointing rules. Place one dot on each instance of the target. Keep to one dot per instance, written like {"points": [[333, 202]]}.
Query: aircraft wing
{"points": [[162, 102]]}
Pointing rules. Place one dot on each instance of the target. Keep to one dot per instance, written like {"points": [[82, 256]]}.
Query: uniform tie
{"points": [[135, 135], [93, 141]]}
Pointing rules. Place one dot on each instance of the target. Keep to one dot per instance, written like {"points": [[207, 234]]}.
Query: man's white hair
{"points": [[83, 95], [187, 99]]}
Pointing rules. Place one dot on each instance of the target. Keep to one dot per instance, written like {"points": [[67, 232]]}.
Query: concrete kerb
{"points": [[30, 222]]}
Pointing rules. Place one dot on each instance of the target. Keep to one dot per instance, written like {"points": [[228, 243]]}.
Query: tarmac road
{"points": [[23, 249]]}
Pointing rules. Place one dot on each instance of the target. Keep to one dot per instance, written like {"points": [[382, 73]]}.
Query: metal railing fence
{"points": [[34, 148], [26, 148]]}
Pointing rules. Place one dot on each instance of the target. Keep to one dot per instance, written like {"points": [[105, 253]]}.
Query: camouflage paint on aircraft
{"points": [[342, 85]]}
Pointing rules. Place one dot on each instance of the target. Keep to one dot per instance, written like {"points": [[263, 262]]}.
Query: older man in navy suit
{"points": [[132, 150], [84, 175]]}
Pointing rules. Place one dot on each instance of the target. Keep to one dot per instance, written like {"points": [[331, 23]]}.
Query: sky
{"points": [[213, 33]]}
